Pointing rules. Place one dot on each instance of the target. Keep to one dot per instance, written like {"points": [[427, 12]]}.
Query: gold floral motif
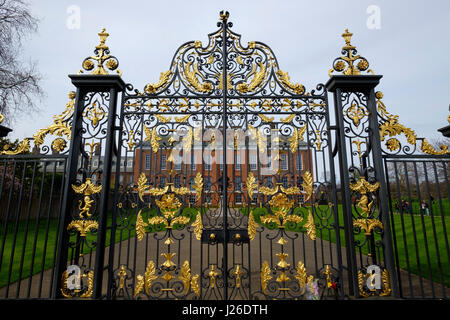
{"points": [[356, 113], [198, 185], [83, 226], [368, 225], [95, 114], [393, 144]]}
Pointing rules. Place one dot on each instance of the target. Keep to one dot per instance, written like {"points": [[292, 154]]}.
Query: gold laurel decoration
{"points": [[23, 147], [158, 220], [301, 276], [288, 118], [265, 276], [251, 184], [268, 191], [286, 80], [310, 226], [291, 190], [256, 81], [83, 226], [260, 138], [198, 226], [191, 77], [427, 148], [307, 185], [163, 80], [194, 285], [183, 118], [266, 118], [361, 279], [185, 276], [163, 119], [188, 140], [139, 287], [252, 225], [150, 275], [158, 191], [386, 282], [293, 140], [142, 186], [140, 226], [90, 289], [198, 185], [64, 290], [179, 220]]}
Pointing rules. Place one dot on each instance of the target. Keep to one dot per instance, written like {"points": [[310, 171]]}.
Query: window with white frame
{"points": [[253, 162], [148, 162], [299, 162], [163, 162], [284, 163]]}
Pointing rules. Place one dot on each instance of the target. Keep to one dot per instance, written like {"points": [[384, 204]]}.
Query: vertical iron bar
{"points": [[224, 160]]}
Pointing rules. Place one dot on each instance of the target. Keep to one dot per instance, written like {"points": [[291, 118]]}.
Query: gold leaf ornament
{"points": [[140, 226]]}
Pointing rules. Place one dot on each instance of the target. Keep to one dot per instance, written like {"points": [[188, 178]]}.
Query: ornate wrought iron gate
{"points": [[218, 181]]}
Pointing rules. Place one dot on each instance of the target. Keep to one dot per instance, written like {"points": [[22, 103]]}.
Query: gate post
{"points": [[88, 84], [363, 184], [93, 130]]}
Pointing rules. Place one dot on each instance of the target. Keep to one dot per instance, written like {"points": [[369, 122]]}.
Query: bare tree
{"points": [[19, 80]]}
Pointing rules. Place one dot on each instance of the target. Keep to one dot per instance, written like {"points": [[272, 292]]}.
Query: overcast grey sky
{"points": [[410, 49]]}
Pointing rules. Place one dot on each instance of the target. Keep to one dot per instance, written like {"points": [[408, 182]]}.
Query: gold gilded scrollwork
{"points": [[258, 78], [191, 77], [286, 80], [164, 78]]}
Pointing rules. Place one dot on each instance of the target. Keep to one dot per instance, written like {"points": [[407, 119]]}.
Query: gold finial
{"points": [[102, 57], [224, 15], [347, 37], [351, 63]]}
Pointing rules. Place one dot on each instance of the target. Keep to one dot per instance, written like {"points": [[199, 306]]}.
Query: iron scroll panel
{"points": [[205, 140]]}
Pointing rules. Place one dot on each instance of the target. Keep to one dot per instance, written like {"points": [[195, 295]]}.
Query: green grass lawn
{"points": [[412, 234]]}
